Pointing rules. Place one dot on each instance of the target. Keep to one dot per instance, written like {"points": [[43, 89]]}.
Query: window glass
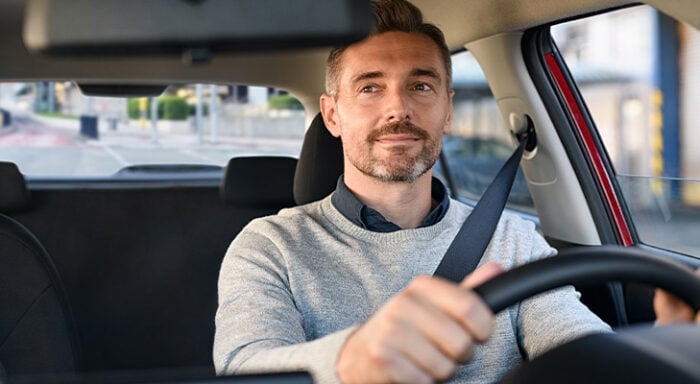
{"points": [[639, 73], [52, 129], [479, 143]]}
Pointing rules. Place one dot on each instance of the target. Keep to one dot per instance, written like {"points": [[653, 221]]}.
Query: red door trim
{"points": [[592, 150]]}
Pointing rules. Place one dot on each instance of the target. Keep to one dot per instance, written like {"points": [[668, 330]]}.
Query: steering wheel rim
{"points": [[590, 265]]}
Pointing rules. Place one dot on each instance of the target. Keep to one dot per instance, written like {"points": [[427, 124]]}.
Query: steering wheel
{"points": [[590, 265], [641, 355]]}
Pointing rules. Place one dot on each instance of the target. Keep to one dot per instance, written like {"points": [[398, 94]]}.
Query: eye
{"points": [[368, 89], [422, 87]]}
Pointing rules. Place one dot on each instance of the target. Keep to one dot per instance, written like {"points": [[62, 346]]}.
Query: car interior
{"points": [[114, 279]]}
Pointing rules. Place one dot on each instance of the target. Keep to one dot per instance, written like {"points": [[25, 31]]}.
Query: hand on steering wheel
{"points": [[590, 265], [644, 355]]}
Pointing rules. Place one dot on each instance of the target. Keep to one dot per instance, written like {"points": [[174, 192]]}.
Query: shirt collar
{"points": [[353, 209]]}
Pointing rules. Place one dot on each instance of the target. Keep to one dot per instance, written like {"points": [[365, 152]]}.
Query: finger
{"points": [[670, 309], [482, 274], [368, 356], [443, 332], [460, 304], [405, 371], [412, 342]]}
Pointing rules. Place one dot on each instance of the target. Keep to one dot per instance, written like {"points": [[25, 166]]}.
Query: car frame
{"points": [[526, 75]]}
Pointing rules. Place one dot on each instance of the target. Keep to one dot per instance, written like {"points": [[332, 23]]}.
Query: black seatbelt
{"points": [[471, 241]]}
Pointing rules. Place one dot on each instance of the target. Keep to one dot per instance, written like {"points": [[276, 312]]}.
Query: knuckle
{"points": [[399, 304], [469, 307], [467, 353], [412, 375], [461, 346], [476, 317], [385, 328], [420, 283], [444, 370], [396, 376], [380, 356]]}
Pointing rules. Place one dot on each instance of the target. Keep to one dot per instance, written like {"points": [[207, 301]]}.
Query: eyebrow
{"points": [[417, 72], [367, 75]]}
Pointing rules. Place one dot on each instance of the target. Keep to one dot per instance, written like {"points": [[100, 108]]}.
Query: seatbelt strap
{"points": [[471, 241]]}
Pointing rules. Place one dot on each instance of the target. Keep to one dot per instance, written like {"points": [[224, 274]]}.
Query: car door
{"points": [[611, 96], [619, 86]]}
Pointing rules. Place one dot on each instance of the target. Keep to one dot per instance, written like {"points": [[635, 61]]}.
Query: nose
{"points": [[397, 105]]}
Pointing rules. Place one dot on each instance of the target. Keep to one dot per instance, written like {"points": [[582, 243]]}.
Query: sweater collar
{"points": [[361, 215]]}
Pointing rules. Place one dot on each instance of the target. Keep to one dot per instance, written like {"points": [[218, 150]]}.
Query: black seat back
{"points": [[320, 164], [14, 195], [37, 333], [261, 182]]}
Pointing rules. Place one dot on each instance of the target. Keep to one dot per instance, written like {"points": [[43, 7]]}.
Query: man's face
{"points": [[392, 106]]}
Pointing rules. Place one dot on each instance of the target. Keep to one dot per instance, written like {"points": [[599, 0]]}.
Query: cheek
{"points": [[353, 137], [441, 118], [355, 124]]}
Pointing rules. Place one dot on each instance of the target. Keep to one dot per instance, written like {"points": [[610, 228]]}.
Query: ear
{"points": [[450, 110], [329, 111]]}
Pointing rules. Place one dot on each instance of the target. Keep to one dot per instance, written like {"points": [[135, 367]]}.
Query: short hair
{"points": [[392, 16]]}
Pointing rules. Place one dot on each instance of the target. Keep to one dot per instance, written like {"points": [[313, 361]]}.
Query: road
{"points": [[54, 147]]}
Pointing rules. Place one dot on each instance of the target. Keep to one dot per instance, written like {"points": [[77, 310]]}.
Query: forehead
{"points": [[392, 52]]}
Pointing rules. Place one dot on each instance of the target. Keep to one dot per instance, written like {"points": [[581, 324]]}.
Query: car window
{"points": [[639, 74], [478, 143], [53, 130]]}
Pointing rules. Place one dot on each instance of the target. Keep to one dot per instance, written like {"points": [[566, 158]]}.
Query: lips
{"points": [[398, 138]]}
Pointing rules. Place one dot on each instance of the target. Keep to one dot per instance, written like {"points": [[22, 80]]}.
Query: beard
{"points": [[402, 164]]}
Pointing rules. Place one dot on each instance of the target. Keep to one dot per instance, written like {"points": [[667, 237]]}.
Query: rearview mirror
{"points": [[193, 27]]}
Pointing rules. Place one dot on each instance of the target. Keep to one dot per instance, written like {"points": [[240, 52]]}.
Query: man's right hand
{"points": [[421, 334]]}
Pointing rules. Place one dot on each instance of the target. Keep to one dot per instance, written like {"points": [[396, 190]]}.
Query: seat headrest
{"points": [[259, 182], [14, 195], [320, 164]]}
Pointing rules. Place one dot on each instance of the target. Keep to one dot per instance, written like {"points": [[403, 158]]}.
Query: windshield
{"points": [[50, 129]]}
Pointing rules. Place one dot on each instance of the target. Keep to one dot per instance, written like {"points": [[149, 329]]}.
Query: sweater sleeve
{"points": [[555, 317], [258, 326]]}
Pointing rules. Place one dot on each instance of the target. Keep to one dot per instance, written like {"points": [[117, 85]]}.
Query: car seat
{"points": [[320, 163], [37, 332], [260, 182]]}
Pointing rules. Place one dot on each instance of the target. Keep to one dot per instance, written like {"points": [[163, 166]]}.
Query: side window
{"points": [[53, 130], [639, 73], [478, 143]]}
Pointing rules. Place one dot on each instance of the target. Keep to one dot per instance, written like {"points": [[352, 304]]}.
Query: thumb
{"points": [[482, 274]]}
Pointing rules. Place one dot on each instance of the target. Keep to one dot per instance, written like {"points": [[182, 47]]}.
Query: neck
{"points": [[404, 204]]}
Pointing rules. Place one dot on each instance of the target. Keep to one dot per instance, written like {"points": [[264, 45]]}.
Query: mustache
{"points": [[398, 127]]}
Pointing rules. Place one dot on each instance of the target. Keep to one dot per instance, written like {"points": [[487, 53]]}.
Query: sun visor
{"points": [[194, 28]]}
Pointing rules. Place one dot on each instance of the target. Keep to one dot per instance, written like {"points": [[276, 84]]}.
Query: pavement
{"points": [[132, 133]]}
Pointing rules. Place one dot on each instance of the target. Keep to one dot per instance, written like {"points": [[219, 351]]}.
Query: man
{"points": [[342, 287]]}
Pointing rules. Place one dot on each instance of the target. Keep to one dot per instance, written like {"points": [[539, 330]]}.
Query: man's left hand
{"points": [[671, 310]]}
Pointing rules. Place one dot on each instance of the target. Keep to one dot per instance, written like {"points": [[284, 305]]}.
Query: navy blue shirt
{"points": [[353, 209]]}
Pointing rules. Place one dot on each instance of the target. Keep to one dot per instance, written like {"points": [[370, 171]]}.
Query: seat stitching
{"points": [[29, 308]]}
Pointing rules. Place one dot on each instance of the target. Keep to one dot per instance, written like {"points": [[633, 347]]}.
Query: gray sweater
{"points": [[293, 286]]}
